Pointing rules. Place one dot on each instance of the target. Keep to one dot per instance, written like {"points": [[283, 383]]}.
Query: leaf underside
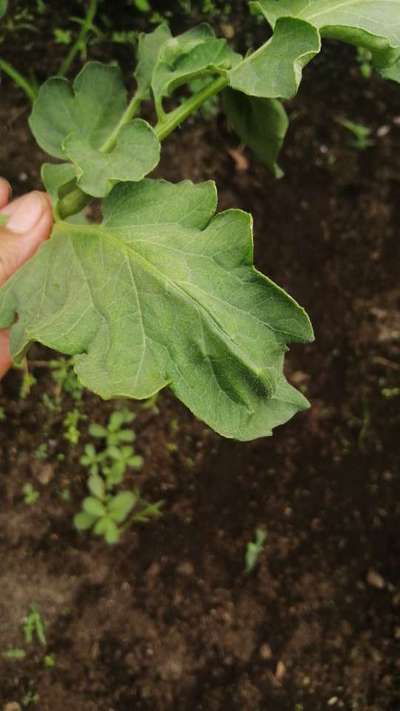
{"points": [[164, 292], [74, 123], [274, 70], [260, 123], [194, 53]]}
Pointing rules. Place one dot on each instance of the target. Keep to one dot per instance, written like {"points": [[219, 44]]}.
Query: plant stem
{"points": [[76, 200], [19, 79], [172, 120], [129, 113], [87, 24], [72, 203]]}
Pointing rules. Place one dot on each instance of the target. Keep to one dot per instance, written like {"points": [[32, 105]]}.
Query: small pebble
{"points": [[375, 580], [280, 671], [265, 652]]}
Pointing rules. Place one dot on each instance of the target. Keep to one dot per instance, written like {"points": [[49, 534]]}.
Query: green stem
{"points": [[20, 80], [87, 24], [174, 119], [128, 115], [72, 203], [76, 200]]}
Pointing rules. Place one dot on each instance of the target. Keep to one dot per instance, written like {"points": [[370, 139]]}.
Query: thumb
{"points": [[28, 225]]}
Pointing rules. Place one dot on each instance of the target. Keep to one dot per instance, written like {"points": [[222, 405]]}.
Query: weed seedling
{"points": [[2, 415], [34, 627], [41, 453], [114, 433], [64, 376], [360, 138], [71, 422], [31, 495], [49, 661], [364, 59], [15, 654], [254, 550]]}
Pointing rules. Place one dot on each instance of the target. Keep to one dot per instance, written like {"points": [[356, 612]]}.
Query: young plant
{"points": [[105, 510], [31, 495], [105, 513], [164, 292], [34, 627], [62, 372], [254, 550], [360, 134], [71, 426]]}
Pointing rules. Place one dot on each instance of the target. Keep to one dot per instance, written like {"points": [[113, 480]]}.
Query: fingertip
{"points": [[5, 192], [5, 357]]}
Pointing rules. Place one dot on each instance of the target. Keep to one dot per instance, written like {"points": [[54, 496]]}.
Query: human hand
{"points": [[29, 224]]}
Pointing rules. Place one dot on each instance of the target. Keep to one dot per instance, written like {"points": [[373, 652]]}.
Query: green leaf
{"points": [[260, 123], [91, 107], [56, 176], [164, 293], [275, 69], [194, 53], [121, 505], [391, 72], [83, 521], [93, 507], [101, 526], [376, 18], [136, 462], [135, 155], [76, 121], [366, 23], [3, 7], [97, 431], [149, 48], [112, 534], [96, 486]]}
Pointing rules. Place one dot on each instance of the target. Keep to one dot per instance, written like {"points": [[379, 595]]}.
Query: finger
{"points": [[5, 192], [28, 226], [5, 357]]}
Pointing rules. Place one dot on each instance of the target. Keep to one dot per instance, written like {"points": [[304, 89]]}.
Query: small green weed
{"points": [[254, 550], [360, 138], [49, 661], [71, 429], [105, 513], [364, 59], [41, 453], [15, 654], [62, 36], [2, 415], [105, 510], [31, 495], [65, 377], [34, 627]]}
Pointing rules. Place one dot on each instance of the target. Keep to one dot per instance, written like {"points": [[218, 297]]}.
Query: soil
{"points": [[168, 619]]}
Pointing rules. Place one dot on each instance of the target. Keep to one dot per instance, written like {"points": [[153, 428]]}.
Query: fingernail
{"points": [[27, 214]]}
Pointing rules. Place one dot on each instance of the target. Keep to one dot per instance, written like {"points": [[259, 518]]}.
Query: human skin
{"points": [[29, 223]]}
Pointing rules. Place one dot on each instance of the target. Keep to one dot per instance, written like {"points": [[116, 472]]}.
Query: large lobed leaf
{"points": [[164, 292], [74, 122], [274, 70]]}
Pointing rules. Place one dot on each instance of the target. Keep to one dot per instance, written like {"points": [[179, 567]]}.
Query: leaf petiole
{"points": [[172, 120]]}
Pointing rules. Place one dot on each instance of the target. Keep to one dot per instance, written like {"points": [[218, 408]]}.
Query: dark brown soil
{"points": [[168, 619]]}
